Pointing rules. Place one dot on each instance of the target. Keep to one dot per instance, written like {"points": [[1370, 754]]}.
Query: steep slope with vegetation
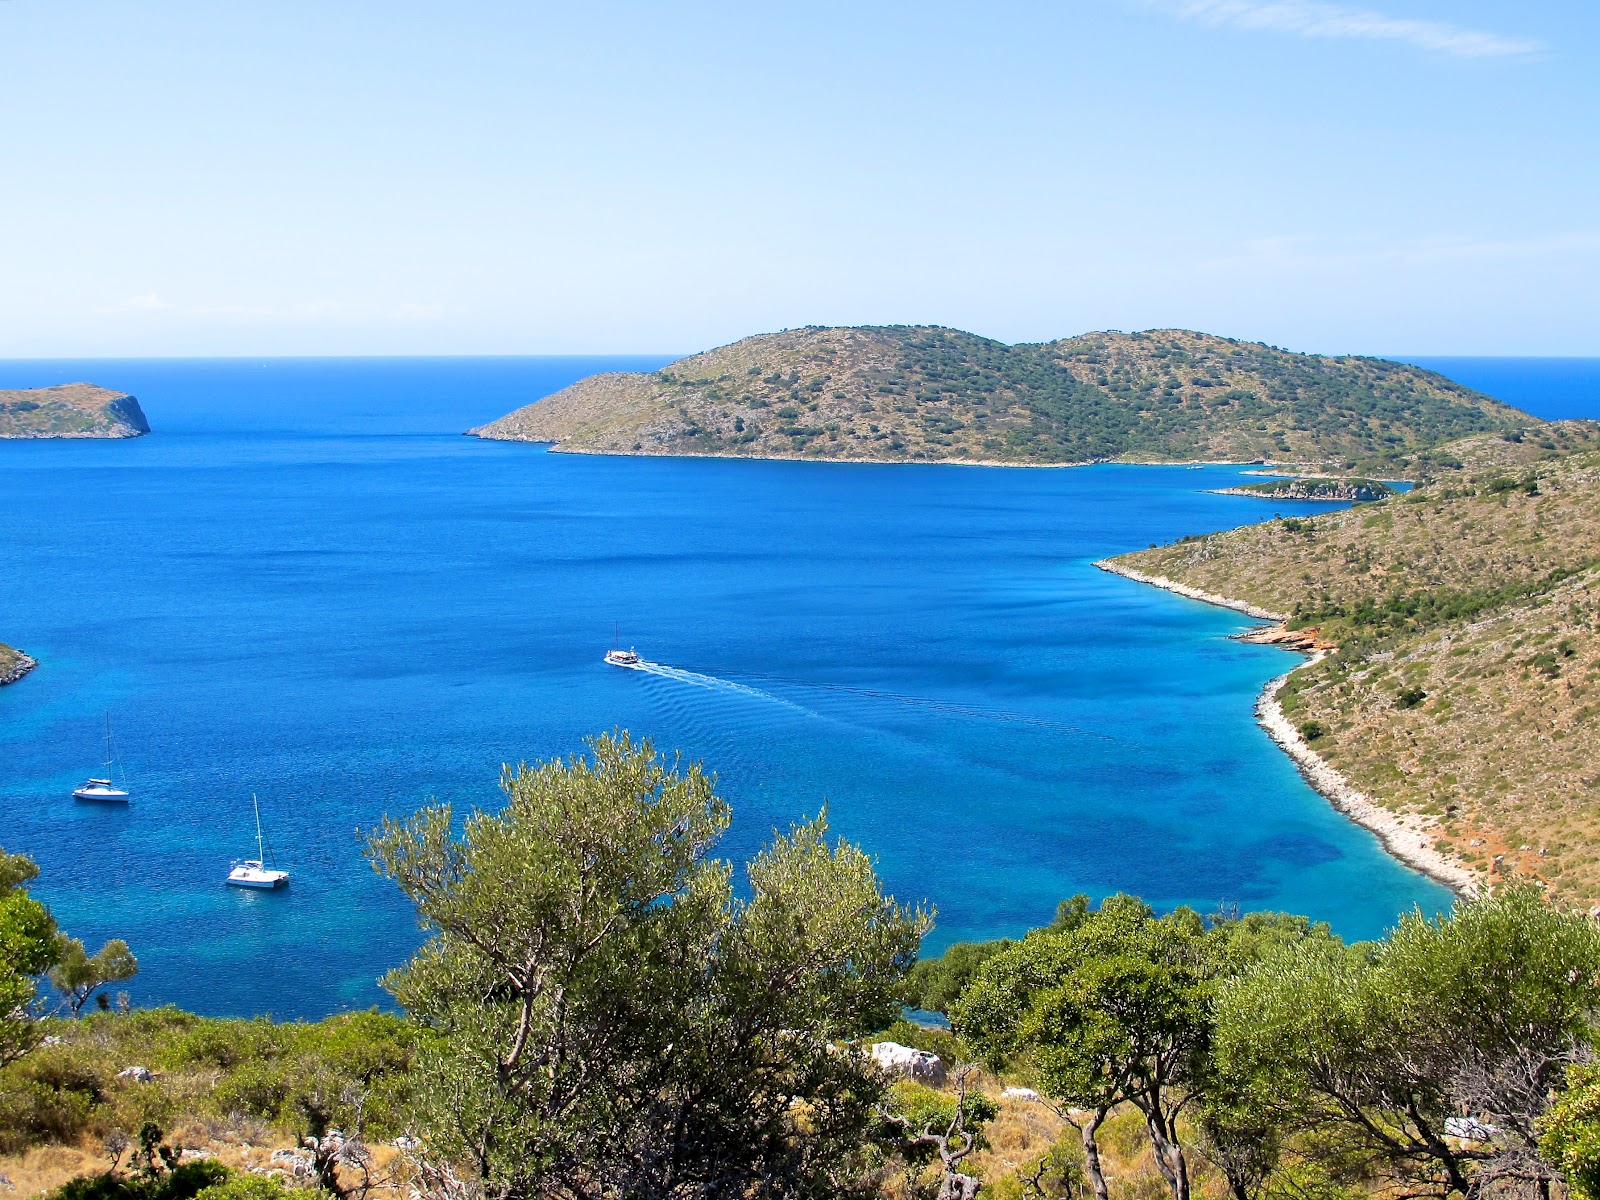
{"points": [[71, 410], [909, 393], [1466, 687]]}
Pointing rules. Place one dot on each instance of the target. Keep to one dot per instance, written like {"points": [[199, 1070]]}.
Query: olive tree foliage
{"points": [[78, 975], [29, 945], [606, 1018], [1427, 1059], [1111, 1008], [1569, 1133]]}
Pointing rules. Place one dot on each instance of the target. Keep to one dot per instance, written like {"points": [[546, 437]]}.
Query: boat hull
{"points": [[99, 796], [263, 885]]}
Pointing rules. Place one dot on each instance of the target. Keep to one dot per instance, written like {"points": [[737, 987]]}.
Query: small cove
{"points": [[306, 585]]}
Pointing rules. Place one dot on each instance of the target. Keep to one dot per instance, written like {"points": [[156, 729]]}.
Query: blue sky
{"points": [[1412, 176]]}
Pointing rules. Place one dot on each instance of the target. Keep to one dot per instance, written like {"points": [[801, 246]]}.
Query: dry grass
{"points": [[45, 1168]]}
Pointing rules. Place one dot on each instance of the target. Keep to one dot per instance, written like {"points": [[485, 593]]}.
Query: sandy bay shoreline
{"points": [[1409, 840]]}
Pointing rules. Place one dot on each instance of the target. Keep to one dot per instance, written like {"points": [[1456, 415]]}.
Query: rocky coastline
{"points": [[1408, 839], [1355, 491], [70, 410], [1194, 593], [14, 664]]}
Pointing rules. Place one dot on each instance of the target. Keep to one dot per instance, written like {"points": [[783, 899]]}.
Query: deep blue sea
{"points": [[1552, 388], [308, 586]]}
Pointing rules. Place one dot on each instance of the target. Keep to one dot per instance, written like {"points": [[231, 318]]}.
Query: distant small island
{"points": [[14, 664], [1357, 490], [70, 410], [929, 394]]}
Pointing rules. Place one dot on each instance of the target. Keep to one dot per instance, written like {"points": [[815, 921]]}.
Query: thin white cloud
{"points": [[1302, 253], [305, 312], [149, 302], [1307, 18]]}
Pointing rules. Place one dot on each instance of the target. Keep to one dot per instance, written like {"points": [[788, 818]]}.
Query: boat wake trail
{"points": [[951, 707], [714, 684]]}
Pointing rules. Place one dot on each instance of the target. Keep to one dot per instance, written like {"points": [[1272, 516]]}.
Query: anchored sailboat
{"points": [[254, 872], [105, 789]]}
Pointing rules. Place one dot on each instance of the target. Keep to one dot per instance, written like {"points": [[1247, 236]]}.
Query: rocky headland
{"points": [[14, 664], [1359, 491], [70, 410]]}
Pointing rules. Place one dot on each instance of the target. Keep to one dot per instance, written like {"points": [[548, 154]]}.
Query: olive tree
{"points": [[1570, 1132], [78, 975], [1429, 1057], [604, 1016], [1112, 1010], [29, 945]]}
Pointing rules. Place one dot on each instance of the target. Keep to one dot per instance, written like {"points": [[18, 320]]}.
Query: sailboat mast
{"points": [[261, 854]]}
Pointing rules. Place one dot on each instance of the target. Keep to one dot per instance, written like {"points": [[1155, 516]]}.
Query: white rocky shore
{"points": [[1194, 593], [1407, 838]]}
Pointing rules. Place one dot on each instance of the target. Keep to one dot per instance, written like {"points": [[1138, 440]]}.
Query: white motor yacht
{"points": [[104, 789], [254, 872], [618, 657]]}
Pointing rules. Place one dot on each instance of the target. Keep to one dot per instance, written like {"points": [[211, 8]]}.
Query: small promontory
{"points": [[14, 664], [70, 410], [925, 393], [1355, 490]]}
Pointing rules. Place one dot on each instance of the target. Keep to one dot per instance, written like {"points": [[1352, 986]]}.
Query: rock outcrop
{"points": [[920, 1065], [70, 410], [14, 664]]}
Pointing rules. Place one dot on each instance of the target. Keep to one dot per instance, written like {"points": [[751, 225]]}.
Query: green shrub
{"points": [[244, 1187], [32, 1113], [183, 1182]]}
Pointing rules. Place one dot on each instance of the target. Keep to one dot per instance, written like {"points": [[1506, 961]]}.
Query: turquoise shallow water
{"points": [[269, 595]]}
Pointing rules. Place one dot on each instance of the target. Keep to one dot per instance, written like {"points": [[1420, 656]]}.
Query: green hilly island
{"points": [[925, 393], [1464, 693], [70, 410]]}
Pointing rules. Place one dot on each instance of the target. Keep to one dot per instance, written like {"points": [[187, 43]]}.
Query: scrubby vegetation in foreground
{"points": [[600, 1013], [1467, 616]]}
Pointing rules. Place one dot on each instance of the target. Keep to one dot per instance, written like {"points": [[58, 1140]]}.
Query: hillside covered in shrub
{"points": [[925, 393], [1466, 687]]}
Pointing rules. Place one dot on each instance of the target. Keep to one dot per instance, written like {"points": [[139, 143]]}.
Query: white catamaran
{"points": [[104, 789], [254, 872]]}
